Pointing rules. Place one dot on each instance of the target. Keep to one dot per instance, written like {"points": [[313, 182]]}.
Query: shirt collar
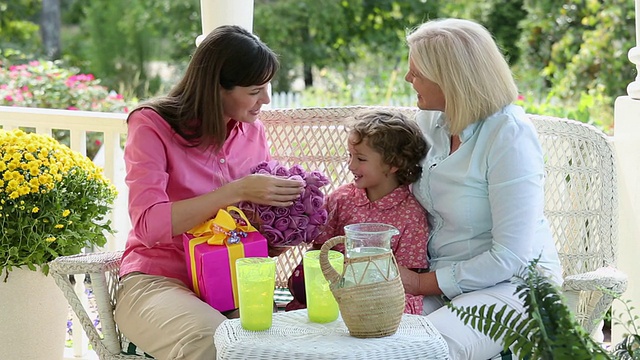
{"points": [[468, 131], [441, 122], [236, 125], [386, 202]]}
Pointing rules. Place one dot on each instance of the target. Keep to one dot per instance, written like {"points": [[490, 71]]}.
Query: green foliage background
{"points": [[569, 56]]}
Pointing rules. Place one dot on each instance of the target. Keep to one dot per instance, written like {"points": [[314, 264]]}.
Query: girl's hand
{"points": [[269, 190]]}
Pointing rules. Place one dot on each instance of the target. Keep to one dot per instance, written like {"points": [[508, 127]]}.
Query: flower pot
{"points": [[33, 316]]}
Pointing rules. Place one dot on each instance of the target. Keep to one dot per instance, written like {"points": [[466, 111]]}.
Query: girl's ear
{"points": [[393, 170]]}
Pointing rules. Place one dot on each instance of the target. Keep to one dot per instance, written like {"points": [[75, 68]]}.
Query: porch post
{"points": [[634, 56], [627, 146], [225, 12]]}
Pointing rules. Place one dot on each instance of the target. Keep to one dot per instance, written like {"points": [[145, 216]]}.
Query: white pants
{"points": [[464, 341]]}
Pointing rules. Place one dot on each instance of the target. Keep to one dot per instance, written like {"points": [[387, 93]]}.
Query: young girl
{"points": [[385, 151]]}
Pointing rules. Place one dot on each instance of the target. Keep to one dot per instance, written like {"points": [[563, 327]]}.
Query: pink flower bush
{"points": [[44, 84], [298, 223]]}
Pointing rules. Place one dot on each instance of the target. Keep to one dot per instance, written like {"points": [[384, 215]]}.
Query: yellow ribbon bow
{"points": [[223, 227]]}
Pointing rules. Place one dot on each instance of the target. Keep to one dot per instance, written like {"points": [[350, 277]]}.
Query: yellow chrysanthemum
{"points": [[38, 176]]}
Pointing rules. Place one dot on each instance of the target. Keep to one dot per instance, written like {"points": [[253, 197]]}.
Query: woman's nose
{"points": [[266, 98]]}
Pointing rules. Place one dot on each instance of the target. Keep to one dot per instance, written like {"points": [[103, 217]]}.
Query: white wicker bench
{"points": [[581, 205]]}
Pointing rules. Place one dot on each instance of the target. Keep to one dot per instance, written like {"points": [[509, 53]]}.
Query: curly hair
{"points": [[395, 137]]}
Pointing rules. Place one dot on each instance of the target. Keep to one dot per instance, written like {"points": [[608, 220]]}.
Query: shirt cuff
{"points": [[447, 281]]}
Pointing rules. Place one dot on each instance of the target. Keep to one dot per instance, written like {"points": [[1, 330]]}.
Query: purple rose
{"points": [[280, 170], [282, 223], [299, 222], [281, 211], [267, 217], [314, 191], [263, 166], [312, 204], [317, 179], [293, 237], [319, 218], [273, 236], [262, 172], [251, 211], [297, 177], [297, 208], [261, 208], [298, 170], [312, 232]]}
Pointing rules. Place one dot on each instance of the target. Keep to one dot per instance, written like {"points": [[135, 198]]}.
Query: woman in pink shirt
{"points": [[188, 154], [385, 151]]}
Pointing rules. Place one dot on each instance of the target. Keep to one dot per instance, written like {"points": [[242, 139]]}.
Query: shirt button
{"points": [[221, 161]]}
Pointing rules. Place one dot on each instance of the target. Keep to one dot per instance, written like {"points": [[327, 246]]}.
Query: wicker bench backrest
{"points": [[580, 203], [580, 185]]}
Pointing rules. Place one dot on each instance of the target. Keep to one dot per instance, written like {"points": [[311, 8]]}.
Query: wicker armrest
{"points": [[591, 294], [608, 278], [86, 263], [102, 269]]}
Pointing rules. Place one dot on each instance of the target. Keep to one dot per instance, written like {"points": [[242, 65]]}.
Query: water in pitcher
{"points": [[368, 239], [368, 272]]}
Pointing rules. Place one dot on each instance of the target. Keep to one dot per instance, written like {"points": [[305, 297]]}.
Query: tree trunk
{"points": [[50, 28], [308, 75]]}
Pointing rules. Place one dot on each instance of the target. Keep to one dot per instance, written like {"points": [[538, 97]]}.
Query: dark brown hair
{"points": [[398, 139], [229, 56]]}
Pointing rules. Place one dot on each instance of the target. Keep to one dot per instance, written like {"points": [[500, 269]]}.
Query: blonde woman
{"points": [[482, 183]]}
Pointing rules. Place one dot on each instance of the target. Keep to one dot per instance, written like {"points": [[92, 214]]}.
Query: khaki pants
{"points": [[166, 319]]}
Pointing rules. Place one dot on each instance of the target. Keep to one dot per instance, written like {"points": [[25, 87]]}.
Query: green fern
{"points": [[546, 330]]}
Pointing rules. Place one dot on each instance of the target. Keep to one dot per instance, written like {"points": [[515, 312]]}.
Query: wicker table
{"points": [[294, 337]]}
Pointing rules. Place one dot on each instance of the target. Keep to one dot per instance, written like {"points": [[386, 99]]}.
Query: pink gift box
{"points": [[215, 268]]}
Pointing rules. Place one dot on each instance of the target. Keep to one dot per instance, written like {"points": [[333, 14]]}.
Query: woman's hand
{"points": [[410, 280], [269, 190], [419, 283], [256, 188]]}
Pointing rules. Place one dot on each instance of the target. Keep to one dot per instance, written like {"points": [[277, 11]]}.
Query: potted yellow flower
{"points": [[53, 202]]}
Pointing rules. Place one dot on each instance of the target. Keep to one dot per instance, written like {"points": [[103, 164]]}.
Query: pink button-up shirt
{"points": [[350, 205], [161, 169]]}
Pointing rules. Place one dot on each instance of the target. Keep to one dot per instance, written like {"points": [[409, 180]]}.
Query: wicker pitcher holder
{"points": [[368, 310]]}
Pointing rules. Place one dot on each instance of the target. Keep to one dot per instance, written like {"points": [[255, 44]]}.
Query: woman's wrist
{"points": [[428, 284], [230, 192]]}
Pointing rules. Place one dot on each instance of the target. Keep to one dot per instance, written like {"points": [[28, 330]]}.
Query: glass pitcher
{"points": [[369, 292], [368, 247]]}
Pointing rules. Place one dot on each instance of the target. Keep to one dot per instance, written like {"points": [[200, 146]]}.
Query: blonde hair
{"points": [[464, 60]]}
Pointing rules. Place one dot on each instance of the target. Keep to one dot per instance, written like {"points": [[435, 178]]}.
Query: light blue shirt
{"points": [[485, 201]]}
